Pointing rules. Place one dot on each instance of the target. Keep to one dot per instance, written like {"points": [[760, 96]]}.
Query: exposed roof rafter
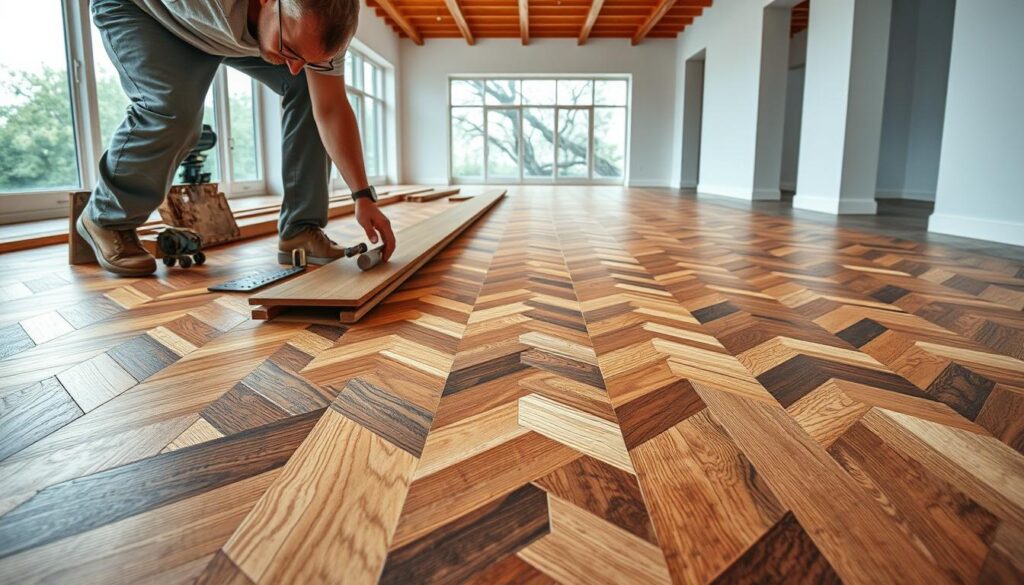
{"points": [[524, 21], [588, 24], [659, 12], [460, 21], [388, 7]]}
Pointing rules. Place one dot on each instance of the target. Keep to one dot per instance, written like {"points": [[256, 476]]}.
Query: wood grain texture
{"points": [[454, 552], [792, 396], [342, 284]]}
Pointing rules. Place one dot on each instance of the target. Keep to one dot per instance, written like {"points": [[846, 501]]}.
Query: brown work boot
{"points": [[319, 248], [119, 251]]}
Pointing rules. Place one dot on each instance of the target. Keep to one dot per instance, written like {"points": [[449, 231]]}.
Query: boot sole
{"points": [[286, 258], [80, 228]]}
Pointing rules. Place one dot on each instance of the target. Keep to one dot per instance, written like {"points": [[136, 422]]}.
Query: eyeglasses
{"points": [[288, 53]]}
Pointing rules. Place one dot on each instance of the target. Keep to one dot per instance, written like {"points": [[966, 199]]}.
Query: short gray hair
{"points": [[337, 18]]}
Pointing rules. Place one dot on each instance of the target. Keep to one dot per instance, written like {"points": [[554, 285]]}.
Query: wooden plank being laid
{"points": [[342, 284], [459, 198], [432, 195], [265, 223]]}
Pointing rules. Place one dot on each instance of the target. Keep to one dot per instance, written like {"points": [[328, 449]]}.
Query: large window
{"points": [[364, 81], [56, 119], [538, 130], [37, 136]]}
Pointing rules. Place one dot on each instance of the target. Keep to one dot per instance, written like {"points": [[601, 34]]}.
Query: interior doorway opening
{"points": [[693, 113]]}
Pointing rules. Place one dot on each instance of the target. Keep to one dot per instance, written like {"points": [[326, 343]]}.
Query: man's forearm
{"points": [[340, 134]]}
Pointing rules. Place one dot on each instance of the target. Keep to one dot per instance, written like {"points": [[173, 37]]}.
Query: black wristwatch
{"points": [[368, 192]]}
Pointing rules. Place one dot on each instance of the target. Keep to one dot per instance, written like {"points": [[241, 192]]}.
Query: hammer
{"points": [[367, 258]]}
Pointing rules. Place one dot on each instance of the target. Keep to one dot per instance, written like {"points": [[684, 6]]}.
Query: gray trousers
{"points": [[167, 80]]}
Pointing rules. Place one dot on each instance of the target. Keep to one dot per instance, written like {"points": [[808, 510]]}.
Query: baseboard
{"points": [[979, 228], [835, 206], [905, 194], [648, 183], [766, 194], [725, 191]]}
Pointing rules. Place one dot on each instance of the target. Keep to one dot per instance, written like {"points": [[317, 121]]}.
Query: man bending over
{"points": [[167, 53]]}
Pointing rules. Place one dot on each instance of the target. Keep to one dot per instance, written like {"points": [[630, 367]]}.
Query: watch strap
{"points": [[369, 192]]}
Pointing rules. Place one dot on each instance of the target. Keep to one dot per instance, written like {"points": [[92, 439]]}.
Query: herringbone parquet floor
{"points": [[589, 386]]}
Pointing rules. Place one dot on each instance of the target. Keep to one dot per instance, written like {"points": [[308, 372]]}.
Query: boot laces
{"points": [[127, 240]]}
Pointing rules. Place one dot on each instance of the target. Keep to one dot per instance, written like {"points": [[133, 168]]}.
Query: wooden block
{"points": [[79, 252]]}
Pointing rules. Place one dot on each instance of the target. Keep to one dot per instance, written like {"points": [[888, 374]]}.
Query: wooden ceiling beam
{"points": [[524, 21], [460, 21], [659, 12], [396, 15], [588, 24]]}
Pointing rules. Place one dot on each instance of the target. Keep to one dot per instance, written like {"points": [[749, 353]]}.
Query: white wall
{"points": [[424, 94], [979, 191], [915, 98], [794, 110], [730, 33], [844, 91]]}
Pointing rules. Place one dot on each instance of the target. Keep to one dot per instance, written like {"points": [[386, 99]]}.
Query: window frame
{"points": [[554, 179], [48, 203], [354, 87]]}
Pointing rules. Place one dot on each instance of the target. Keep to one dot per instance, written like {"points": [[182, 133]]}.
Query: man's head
{"points": [[297, 32]]}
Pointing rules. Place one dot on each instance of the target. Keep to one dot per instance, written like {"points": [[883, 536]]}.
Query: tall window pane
{"points": [[503, 143], [573, 142], [609, 142], [468, 142], [212, 164], [37, 140], [502, 92], [610, 92], [575, 92], [467, 92], [371, 132], [110, 97], [244, 156], [539, 92], [538, 142]]}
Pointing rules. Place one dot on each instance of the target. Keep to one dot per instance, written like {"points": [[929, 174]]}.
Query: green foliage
{"points": [[37, 139]]}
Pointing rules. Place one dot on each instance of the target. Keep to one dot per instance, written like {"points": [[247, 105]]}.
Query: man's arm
{"points": [[340, 134]]}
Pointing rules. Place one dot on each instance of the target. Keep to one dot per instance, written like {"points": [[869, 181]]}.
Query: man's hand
{"points": [[374, 221]]}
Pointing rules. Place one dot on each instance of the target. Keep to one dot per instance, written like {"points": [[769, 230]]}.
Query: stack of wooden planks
{"points": [[346, 293], [262, 221]]}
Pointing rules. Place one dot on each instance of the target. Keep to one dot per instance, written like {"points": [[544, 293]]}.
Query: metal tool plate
{"points": [[255, 281]]}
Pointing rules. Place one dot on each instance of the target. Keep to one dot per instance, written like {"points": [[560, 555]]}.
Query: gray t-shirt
{"points": [[217, 27]]}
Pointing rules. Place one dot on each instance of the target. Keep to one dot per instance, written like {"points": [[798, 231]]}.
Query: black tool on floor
{"points": [[255, 281], [181, 245]]}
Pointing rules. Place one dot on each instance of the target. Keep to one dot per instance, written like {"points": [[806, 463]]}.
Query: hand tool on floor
{"points": [[367, 258]]}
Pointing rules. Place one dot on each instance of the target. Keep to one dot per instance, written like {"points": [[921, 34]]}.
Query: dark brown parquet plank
{"points": [[240, 409], [143, 356], [394, 419], [32, 412], [784, 555], [605, 491], [83, 504], [456, 551]]}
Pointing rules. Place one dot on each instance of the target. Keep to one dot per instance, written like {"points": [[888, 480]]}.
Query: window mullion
{"points": [[222, 118], [82, 81]]}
